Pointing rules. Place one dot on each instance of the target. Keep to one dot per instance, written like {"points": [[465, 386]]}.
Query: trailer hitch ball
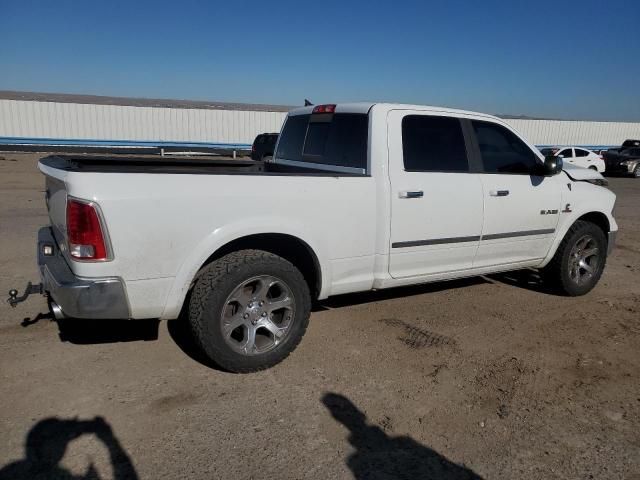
{"points": [[30, 289]]}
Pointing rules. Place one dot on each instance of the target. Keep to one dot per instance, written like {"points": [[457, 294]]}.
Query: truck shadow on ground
{"points": [[47, 442], [181, 334], [379, 455], [360, 298], [86, 332], [525, 279]]}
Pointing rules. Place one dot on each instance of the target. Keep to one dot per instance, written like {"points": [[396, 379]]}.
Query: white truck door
{"points": [[436, 203], [521, 209]]}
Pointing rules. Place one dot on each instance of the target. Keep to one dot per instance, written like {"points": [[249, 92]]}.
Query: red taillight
{"points": [[84, 233], [324, 109]]}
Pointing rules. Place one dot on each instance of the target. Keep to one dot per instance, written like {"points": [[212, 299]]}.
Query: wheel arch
{"points": [[289, 247], [597, 218], [600, 219]]}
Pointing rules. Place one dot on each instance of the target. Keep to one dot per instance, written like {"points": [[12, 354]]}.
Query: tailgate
{"points": [[56, 200]]}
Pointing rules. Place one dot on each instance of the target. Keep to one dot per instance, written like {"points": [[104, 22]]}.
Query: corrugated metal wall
{"points": [[116, 122], [557, 132], [34, 120]]}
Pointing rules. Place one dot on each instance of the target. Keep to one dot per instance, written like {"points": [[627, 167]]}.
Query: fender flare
{"points": [[222, 236], [565, 225]]}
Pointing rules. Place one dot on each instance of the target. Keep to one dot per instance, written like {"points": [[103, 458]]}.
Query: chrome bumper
{"points": [[611, 242], [78, 297]]}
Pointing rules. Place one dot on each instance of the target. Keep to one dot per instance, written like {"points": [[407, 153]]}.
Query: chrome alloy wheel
{"points": [[258, 315], [584, 259]]}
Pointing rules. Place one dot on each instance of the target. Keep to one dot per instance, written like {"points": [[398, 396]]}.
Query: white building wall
{"points": [[72, 121], [28, 119], [561, 132]]}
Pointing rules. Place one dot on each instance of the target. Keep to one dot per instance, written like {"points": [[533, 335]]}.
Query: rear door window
{"points": [[338, 139], [566, 153], [581, 153], [433, 144]]}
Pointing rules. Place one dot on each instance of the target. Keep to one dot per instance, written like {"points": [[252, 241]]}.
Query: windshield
{"points": [[325, 141]]}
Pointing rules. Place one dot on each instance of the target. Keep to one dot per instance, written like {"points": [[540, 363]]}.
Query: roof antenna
{"points": [[307, 103]]}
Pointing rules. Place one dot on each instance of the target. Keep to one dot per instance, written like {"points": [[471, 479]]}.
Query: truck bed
{"points": [[195, 165]]}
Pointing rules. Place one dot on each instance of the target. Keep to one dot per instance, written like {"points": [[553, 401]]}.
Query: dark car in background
{"points": [[624, 160], [263, 146]]}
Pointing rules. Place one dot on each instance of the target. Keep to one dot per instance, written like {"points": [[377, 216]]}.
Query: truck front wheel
{"points": [[579, 261], [249, 310]]}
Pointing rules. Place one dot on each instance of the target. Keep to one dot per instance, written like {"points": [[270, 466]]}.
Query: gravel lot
{"points": [[491, 377]]}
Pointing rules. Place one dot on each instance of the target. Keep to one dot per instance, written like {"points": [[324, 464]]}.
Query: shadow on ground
{"points": [[526, 279], [379, 455], [370, 296], [47, 442], [83, 332], [27, 321], [181, 334]]}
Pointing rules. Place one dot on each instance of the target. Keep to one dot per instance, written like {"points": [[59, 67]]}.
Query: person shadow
{"points": [[380, 456], [46, 445]]}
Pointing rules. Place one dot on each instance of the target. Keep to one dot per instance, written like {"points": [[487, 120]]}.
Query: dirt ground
{"points": [[491, 377]]}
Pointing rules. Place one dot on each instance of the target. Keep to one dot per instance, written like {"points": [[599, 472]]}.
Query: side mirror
{"points": [[552, 165]]}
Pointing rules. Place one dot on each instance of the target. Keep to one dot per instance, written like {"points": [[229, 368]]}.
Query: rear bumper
{"points": [[77, 297]]}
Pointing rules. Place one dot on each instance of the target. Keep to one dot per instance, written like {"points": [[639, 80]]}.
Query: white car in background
{"points": [[580, 157]]}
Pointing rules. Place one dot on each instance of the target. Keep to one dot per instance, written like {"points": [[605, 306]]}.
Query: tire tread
{"points": [[553, 272], [207, 282]]}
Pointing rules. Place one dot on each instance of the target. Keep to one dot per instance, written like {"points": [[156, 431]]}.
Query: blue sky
{"points": [[573, 59]]}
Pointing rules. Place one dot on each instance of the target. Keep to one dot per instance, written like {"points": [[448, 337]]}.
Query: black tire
{"points": [[209, 299], [636, 171], [558, 272]]}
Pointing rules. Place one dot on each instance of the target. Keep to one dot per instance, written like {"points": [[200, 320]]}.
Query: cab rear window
{"points": [[338, 139]]}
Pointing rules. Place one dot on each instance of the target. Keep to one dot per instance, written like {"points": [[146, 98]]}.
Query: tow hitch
{"points": [[30, 289]]}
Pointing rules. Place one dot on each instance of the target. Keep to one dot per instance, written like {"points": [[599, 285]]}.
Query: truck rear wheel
{"points": [[579, 261], [249, 310]]}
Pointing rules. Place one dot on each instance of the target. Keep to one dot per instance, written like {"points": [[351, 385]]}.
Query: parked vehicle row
{"points": [[622, 160], [358, 196], [625, 159], [578, 156]]}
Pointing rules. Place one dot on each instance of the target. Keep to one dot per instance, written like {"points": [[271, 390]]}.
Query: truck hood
{"points": [[580, 173]]}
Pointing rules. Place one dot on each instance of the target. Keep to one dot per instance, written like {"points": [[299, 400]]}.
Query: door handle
{"points": [[499, 193], [415, 194]]}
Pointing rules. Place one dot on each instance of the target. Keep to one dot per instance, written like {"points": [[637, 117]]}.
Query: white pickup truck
{"points": [[357, 197]]}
